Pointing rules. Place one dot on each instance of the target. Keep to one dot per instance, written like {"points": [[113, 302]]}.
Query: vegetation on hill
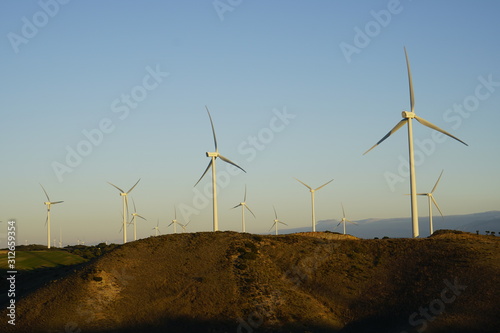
{"points": [[312, 282]]}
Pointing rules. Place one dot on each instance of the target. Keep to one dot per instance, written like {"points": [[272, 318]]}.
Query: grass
{"points": [[30, 260]]}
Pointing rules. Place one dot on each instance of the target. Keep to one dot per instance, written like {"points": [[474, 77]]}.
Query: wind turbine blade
{"points": [[230, 162], [56, 202], [343, 212], [434, 188], [434, 127], [324, 185], [412, 98], [351, 222], [133, 202], [46, 219], [213, 129], [134, 186], [275, 214], [236, 206], [437, 206], [245, 197], [208, 167], [309, 187], [282, 223], [392, 131], [170, 224], [45, 193], [250, 210], [119, 189], [272, 226], [339, 224], [175, 213], [141, 217]]}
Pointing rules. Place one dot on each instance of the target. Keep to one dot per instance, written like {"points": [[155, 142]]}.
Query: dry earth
{"points": [[309, 282]]}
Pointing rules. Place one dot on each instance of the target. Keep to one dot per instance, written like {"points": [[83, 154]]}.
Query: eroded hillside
{"points": [[233, 282]]}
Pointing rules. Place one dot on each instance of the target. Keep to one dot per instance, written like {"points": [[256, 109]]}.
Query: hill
{"points": [[233, 282]]}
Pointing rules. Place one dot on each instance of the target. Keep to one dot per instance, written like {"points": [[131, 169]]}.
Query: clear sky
{"points": [[115, 91]]}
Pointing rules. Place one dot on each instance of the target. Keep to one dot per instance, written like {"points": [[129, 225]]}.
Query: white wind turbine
{"points": [[276, 221], [243, 206], [213, 157], [174, 221], [157, 228], [124, 195], [344, 219], [407, 119], [430, 197], [312, 200], [134, 216], [184, 226], [48, 203]]}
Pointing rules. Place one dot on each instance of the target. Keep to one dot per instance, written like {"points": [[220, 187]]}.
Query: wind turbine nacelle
{"points": [[212, 154], [408, 114]]}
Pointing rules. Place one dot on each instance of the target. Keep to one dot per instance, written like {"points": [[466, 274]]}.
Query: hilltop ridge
{"points": [[234, 282]]}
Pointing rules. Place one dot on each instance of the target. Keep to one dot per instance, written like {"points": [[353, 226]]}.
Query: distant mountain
{"points": [[401, 227]]}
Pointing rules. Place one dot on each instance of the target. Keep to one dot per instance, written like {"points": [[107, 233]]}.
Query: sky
{"points": [[95, 92]]}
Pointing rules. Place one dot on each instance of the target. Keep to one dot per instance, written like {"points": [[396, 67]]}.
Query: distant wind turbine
{"points": [[213, 157], [407, 119], [276, 221], [157, 228], [48, 203], [312, 200], [344, 219], [134, 216], [184, 226], [124, 195], [243, 206], [174, 221], [430, 197]]}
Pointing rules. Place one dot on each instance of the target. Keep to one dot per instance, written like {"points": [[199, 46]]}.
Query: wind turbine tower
{"points": [[243, 206], [213, 156], [124, 195], [431, 200], [48, 203], [408, 116], [312, 200], [276, 222], [135, 215]]}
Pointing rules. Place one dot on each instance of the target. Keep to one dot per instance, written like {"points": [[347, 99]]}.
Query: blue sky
{"points": [[296, 89]]}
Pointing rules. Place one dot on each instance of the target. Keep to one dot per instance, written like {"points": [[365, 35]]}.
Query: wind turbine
{"points": [[344, 219], [213, 157], [276, 221], [184, 226], [312, 200], [124, 195], [431, 198], [243, 206], [48, 203], [157, 228], [174, 221], [407, 119], [134, 216]]}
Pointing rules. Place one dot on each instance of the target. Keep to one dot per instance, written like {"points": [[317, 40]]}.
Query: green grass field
{"points": [[29, 260]]}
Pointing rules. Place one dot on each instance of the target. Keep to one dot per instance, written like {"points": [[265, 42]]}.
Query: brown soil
{"points": [[310, 282]]}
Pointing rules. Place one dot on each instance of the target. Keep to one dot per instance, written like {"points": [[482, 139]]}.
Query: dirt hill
{"points": [[233, 282]]}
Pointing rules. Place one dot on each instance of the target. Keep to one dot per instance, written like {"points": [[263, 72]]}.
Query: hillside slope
{"points": [[233, 282]]}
